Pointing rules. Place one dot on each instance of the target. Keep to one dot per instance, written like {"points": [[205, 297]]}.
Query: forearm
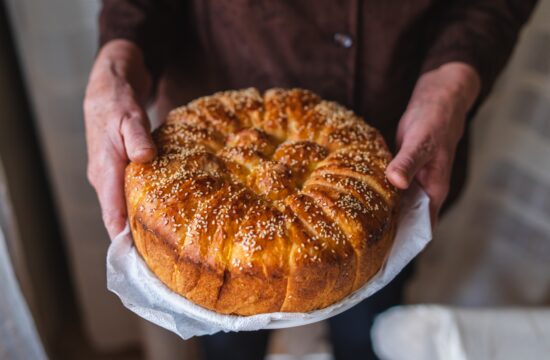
{"points": [[153, 26], [480, 33]]}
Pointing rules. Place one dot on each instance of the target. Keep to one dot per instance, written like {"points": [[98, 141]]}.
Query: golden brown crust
{"points": [[259, 204]]}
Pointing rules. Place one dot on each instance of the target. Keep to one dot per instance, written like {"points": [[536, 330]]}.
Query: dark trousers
{"points": [[349, 331]]}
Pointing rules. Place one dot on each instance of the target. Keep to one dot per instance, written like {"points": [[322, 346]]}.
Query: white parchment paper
{"points": [[143, 293]]}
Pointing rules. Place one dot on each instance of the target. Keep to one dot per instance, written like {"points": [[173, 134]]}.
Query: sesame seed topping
{"points": [[246, 176]]}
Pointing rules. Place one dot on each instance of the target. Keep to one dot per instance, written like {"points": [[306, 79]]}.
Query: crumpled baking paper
{"points": [[143, 293]]}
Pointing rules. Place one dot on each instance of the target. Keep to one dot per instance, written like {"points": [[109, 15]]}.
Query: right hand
{"points": [[117, 127]]}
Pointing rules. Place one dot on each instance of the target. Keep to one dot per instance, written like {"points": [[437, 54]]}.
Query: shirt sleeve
{"points": [[151, 24], [481, 33]]}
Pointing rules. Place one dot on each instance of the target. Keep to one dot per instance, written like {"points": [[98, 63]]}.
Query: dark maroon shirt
{"points": [[366, 55]]}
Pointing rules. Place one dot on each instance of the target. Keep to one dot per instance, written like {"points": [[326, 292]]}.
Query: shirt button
{"points": [[344, 40]]}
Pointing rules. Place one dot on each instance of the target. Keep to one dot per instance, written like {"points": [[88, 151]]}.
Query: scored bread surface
{"points": [[260, 204]]}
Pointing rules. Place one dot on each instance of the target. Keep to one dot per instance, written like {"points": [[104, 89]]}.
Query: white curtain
{"points": [[494, 247], [19, 339], [489, 262]]}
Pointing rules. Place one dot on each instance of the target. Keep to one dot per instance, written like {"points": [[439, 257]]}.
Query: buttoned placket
{"points": [[348, 41]]}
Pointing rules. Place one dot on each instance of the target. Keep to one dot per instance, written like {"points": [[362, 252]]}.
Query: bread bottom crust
{"points": [[242, 294]]}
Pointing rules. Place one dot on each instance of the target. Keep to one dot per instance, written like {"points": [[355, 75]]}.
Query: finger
{"points": [[417, 149], [137, 137], [434, 179], [109, 185]]}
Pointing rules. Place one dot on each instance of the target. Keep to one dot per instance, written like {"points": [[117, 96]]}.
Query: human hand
{"points": [[430, 130], [117, 127]]}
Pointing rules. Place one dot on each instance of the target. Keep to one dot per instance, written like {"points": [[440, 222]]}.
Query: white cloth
{"points": [[142, 292], [441, 333]]}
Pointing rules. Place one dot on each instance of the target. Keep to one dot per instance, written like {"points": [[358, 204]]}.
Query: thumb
{"points": [[136, 135], [414, 153]]}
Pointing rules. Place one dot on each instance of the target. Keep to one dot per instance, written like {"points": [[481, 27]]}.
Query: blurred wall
{"points": [[27, 211], [56, 42]]}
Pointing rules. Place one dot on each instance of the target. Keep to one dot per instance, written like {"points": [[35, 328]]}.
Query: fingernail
{"points": [[143, 154], [398, 179]]}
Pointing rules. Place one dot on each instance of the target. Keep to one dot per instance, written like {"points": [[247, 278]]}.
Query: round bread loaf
{"points": [[260, 204]]}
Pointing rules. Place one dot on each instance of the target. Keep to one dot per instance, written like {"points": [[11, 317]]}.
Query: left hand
{"points": [[430, 130]]}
